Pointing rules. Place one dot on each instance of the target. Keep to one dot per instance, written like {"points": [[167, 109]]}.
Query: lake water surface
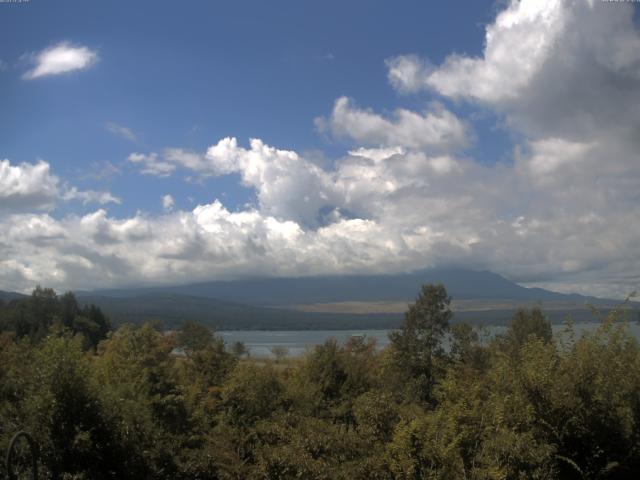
{"points": [[260, 342]]}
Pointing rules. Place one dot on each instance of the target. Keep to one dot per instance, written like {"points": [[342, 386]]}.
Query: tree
{"points": [[142, 401], [416, 347], [280, 352], [40, 312], [69, 309], [207, 363], [239, 349], [50, 395], [100, 324], [44, 312], [466, 347], [325, 371], [527, 324], [193, 337]]}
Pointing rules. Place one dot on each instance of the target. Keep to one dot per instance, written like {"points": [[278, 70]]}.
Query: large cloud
{"points": [[379, 210], [517, 45], [27, 185], [32, 186], [558, 67], [208, 242]]}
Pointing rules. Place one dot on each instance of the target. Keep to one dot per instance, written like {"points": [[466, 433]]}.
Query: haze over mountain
{"points": [[461, 285], [8, 296], [334, 302]]}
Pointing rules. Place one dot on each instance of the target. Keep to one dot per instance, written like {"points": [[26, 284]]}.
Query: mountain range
{"points": [[460, 284], [332, 302]]}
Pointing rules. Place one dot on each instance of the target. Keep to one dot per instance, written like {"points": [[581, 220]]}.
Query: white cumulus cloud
{"points": [[61, 58], [516, 46], [408, 73], [28, 186], [437, 128], [152, 164]]}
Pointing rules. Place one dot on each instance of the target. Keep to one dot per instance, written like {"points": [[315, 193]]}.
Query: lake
{"points": [[260, 342]]}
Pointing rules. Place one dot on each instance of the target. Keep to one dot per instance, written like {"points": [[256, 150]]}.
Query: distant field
{"points": [[479, 305]]}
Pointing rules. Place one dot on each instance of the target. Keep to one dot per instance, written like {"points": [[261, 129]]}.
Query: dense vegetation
{"points": [[125, 405]]}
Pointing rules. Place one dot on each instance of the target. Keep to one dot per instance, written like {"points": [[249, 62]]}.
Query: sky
{"points": [[161, 143]]}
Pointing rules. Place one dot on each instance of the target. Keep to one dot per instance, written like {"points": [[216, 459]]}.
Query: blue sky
{"points": [[389, 136], [184, 75]]}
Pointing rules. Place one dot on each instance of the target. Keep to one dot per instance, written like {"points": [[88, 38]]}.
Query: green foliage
{"points": [[251, 394], [145, 404], [47, 391], [525, 325], [193, 337], [280, 352], [44, 312], [239, 349], [417, 347], [466, 347]]}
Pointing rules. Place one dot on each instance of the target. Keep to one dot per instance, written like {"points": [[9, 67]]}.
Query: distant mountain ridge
{"points": [[461, 285], [8, 296], [313, 303]]}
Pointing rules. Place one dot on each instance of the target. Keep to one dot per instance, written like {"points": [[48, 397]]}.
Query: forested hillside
{"points": [[135, 403]]}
